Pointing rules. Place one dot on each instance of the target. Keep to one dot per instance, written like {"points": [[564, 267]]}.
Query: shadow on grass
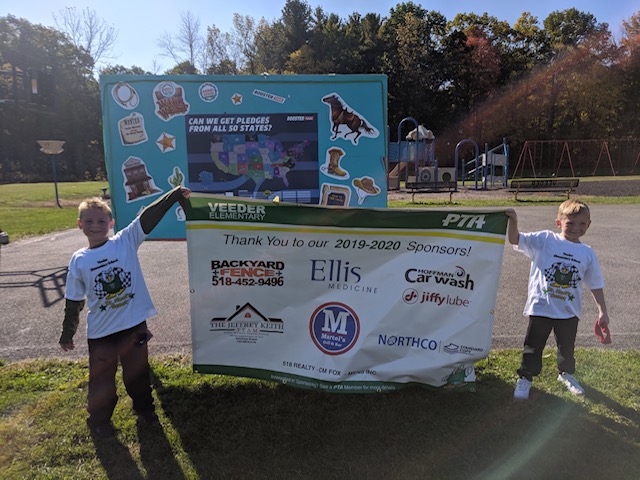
{"points": [[116, 459], [258, 430], [156, 453]]}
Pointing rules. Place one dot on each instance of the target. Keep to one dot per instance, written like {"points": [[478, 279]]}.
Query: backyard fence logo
{"points": [[458, 278], [247, 273], [247, 324], [334, 328]]}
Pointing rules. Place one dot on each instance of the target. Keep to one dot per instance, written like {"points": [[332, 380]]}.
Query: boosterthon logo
{"points": [[334, 328]]}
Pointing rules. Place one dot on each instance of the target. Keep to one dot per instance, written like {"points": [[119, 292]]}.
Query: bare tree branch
{"points": [[187, 45], [86, 30]]}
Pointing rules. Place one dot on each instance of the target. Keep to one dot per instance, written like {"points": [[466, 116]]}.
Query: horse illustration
{"points": [[341, 116]]}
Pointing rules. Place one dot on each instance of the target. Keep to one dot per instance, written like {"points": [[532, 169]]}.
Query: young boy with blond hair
{"points": [[560, 266], [107, 275]]}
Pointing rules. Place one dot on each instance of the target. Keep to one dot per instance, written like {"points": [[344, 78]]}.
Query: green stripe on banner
{"points": [[206, 207]]}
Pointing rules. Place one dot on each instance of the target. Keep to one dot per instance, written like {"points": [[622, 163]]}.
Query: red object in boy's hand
{"points": [[602, 333]]}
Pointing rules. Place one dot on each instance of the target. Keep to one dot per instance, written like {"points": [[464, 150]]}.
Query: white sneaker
{"points": [[571, 383], [522, 389]]}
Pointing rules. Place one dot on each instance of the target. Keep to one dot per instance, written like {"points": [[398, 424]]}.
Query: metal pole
{"points": [[55, 180]]}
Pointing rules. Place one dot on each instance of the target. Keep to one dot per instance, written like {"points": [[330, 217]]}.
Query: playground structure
{"points": [[556, 158], [489, 169], [417, 167], [414, 163]]}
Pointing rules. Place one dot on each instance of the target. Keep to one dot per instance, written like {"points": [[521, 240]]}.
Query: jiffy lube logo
{"points": [[334, 328]]}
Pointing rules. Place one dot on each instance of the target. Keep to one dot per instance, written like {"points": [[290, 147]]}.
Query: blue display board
{"points": [[312, 139]]}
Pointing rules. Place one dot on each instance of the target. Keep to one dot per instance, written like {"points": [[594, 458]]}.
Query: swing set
{"points": [[540, 158]]}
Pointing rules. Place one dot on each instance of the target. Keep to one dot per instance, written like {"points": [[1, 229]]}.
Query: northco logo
{"points": [[236, 211], [334, 328]]}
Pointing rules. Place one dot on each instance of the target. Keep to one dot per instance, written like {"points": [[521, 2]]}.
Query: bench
{"points": [[563, 185], [414, 187]]}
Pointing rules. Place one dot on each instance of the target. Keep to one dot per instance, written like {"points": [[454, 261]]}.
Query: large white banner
{"points": [[345, 300]]}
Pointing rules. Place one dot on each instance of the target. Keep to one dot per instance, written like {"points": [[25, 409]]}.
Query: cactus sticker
{"points": [[177, 178]]}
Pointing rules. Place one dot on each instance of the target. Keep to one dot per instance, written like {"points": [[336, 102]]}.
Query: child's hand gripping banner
{"points": [[344, 300]]}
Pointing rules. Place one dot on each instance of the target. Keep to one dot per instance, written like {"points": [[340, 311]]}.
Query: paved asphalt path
{"points": [[33, 272]]}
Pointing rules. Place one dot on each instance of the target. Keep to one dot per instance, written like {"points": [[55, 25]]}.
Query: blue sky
{"points": [[141, 23]]}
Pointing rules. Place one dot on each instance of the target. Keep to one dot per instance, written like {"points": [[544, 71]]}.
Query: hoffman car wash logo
{"points": [[458, 278], [247, 325], [334, 328]]}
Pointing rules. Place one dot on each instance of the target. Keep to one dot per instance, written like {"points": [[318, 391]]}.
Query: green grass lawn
{"points": [[28, 209], [220, 427]]}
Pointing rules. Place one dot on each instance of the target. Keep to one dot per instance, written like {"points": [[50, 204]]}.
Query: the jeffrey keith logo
{"points": [[247, 324], [334, 328]]}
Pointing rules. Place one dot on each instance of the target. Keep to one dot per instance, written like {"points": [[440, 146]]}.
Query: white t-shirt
{"points": [[111, 280], [559, 270]]}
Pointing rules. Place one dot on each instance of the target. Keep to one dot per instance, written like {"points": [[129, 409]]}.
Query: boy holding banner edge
{"points": [[107, 274], [560, 265]]}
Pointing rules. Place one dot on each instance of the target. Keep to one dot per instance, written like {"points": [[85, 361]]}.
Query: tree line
{"points": [[474, 76]]}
